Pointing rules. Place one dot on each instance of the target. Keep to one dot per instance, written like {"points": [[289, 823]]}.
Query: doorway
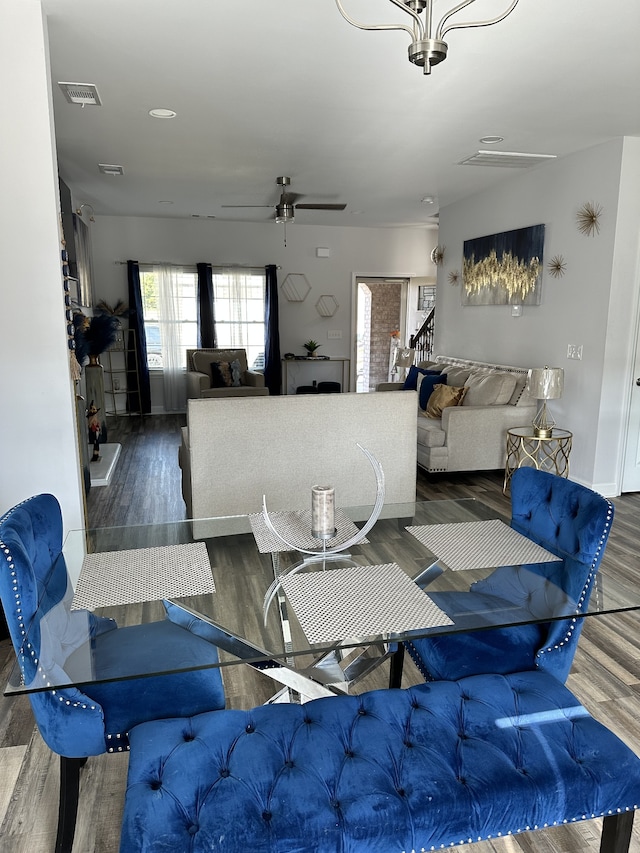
{"points": [[380, 311]]}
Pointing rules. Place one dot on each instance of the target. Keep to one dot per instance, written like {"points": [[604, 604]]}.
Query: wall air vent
{"points": [[108, 169], [85, 94], [506, 159]]}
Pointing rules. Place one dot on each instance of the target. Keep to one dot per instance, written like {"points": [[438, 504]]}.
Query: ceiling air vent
{"points": [[109, 169], [81, 93], [506, 159]]}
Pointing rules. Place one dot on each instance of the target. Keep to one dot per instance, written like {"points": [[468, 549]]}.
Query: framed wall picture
{"points": [[504, 268]]}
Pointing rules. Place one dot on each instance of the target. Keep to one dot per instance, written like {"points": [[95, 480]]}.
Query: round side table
{"points": [[546, 454]]}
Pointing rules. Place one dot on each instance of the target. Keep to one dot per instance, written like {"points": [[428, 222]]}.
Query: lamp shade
{"points": [[546, 383], [405, 357]]}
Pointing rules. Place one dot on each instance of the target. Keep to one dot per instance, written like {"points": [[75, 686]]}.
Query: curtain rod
{"points": [[213, 266]]}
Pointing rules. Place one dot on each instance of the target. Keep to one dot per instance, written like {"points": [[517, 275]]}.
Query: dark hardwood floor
{"points": [[146, 488]]}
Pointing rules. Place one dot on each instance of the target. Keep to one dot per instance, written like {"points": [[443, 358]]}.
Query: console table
{"points": [[304, 374], [547, 454]]}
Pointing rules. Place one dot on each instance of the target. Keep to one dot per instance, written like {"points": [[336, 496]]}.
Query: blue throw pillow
{"points": [[411, 382], [426, 387]]}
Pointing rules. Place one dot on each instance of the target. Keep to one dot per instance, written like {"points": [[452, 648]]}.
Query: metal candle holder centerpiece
{"points": [[323, 526], [323, 515]]}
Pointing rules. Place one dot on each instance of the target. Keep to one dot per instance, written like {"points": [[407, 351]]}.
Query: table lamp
{"points": [[545, 383]]}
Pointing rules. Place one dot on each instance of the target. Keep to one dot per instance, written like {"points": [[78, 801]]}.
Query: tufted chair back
{"points": [[50, 640], [567, 519], [573, 522]]}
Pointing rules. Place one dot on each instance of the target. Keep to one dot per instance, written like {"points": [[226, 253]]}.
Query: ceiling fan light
{"points": [[284, 213]]}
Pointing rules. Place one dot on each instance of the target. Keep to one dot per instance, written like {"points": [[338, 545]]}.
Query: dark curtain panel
{"points": [[138, 398], [206, 310], [272, 366]]}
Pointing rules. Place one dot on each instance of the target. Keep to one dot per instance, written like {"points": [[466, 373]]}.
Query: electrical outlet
{"points": [[574, 351], [334, 335]]}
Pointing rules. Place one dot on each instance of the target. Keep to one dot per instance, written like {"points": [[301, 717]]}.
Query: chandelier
{"points": [[427, 47]]}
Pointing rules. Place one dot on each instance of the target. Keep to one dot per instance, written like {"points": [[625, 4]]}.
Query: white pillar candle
{"points": [[323, 524]]}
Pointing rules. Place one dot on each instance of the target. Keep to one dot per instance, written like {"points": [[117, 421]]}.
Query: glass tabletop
{"points": [[425, 568]]}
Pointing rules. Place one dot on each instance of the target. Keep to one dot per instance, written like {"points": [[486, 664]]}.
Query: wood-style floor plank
{"points": [[146, 488]]}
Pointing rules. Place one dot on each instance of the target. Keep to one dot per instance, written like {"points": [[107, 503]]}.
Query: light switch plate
{"points": [[334, 335]]}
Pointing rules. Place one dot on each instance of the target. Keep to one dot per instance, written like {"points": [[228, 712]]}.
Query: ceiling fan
{"points": [[285, 208]]}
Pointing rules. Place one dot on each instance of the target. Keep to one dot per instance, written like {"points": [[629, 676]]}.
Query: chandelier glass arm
{"points": [[442, 31], [405, 27]]}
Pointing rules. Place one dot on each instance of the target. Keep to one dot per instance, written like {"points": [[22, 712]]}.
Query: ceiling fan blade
{"points": [[320, 206], [247, 205]]}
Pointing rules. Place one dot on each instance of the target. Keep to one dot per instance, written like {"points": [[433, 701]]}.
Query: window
{"points": [[169, 304], [239, 308], [169, 322]]}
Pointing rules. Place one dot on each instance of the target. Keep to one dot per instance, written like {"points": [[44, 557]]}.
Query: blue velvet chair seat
{"points": [[431, 766], [155, 646]]}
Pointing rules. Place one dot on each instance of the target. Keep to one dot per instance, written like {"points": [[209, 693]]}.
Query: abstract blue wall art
{"points": [[505, 268]]}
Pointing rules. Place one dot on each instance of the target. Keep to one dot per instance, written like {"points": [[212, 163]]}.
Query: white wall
{"points": [[374, 251], [38, 440], [592, 304]]}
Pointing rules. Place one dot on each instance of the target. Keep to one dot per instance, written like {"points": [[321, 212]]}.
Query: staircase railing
{"points": [[422, 341]]}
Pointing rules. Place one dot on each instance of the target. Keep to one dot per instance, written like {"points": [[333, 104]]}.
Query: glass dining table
{"points": [[313, 618]]}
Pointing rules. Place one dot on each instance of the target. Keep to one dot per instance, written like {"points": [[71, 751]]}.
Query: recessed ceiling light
{"points": [[162, 113], [356, 212], [428, 199], [492, 140], [165, 202]]}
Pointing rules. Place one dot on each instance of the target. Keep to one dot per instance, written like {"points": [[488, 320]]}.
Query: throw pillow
{"points": [[442, 397], [411, 382], [235, 373], [220, 374], [426, 386]]}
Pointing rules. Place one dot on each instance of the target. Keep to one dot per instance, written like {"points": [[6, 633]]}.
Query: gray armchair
{"points": [[203, 381]]}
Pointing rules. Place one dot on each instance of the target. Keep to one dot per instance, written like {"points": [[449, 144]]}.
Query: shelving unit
{"points": [[120, 364]]}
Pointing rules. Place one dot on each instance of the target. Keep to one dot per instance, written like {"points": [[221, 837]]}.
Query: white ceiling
{"points": [[264, 88]]}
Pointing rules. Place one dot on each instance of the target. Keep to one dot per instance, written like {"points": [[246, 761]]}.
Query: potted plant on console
{"points": [[311, 346]]}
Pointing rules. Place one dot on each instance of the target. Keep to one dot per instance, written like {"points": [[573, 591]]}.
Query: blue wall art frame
{"points": [[505, 268]]}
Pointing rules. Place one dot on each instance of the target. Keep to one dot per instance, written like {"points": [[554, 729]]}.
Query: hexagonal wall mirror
{"points": [[295, 287], [327, 305]]}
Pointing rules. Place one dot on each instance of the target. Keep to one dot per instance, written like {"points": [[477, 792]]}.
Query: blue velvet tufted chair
{"points": [[567, 519], [48, 638]]}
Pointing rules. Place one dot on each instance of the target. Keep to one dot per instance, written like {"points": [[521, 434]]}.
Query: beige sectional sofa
{"points": [[234, 451], [472, 436]]}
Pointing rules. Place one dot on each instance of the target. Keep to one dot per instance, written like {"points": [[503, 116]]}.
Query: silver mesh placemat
{"points": [[480, 545], [296, 528], [359, 601], [143, 574]]}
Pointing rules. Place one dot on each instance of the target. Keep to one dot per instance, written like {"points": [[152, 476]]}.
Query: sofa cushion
{"points": [[430, 432], [411, 382], [489, 389], [426, 385], [442, 397], [456, 375]]}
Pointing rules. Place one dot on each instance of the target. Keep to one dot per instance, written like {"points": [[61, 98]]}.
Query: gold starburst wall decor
{"points": [[454, 277], [437, 256], [557, 266], [588, 218]]}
